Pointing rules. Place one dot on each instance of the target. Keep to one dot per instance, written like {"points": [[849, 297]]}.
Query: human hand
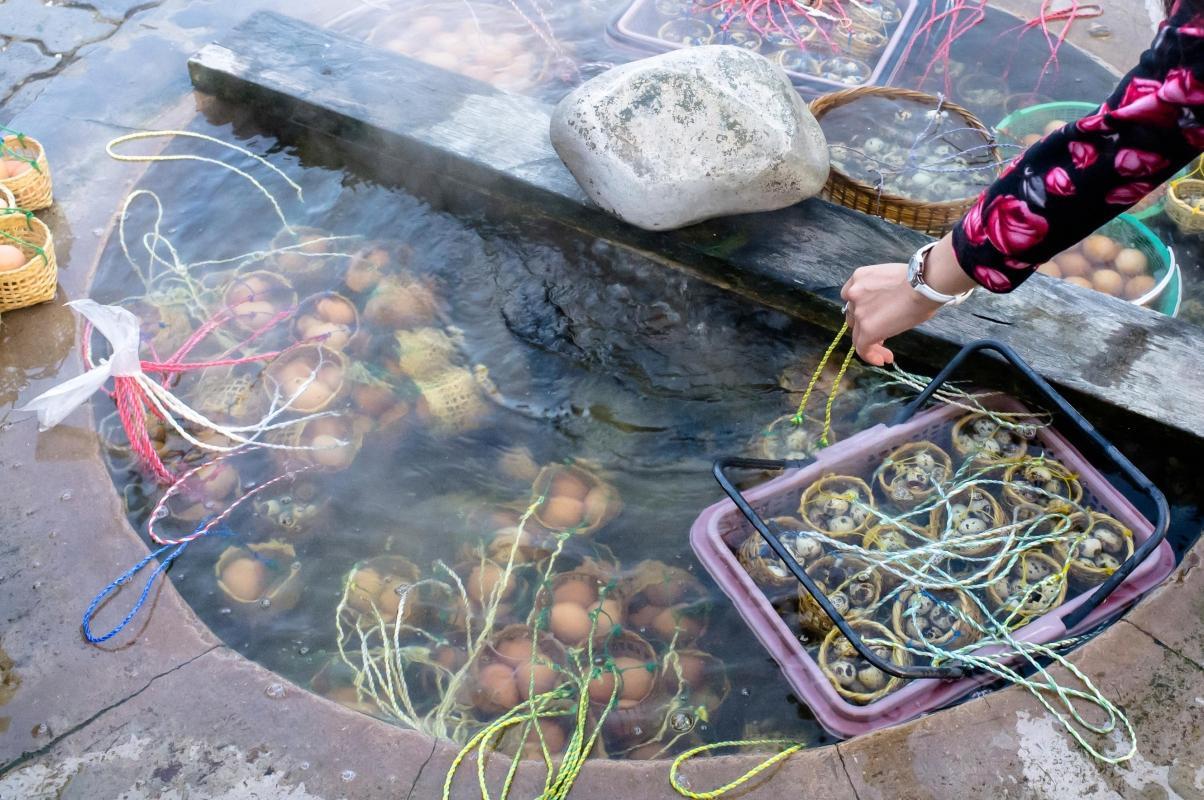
{"points": [[880, 303]]}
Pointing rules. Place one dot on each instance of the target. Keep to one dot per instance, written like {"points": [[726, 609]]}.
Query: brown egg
{"points": [[216, 481], [254, 313], [293, 371], [671, 619], [563, 512], [602, 686], [449, 657], [1030, 139], [1100, 248], [597, 503], [567, 485], [345, 695], [1051, 269], [693, 669], [11, 258], [496, 690], [1073, 265], [544, 677], [389, 603], [553, 739], [579, 592], [635, 677], [15, 167], [331, 375], [1131, 262], [364, 273], [610, 614], [569, 623], [337, 310], [304, 397], [330, 453], [399, 305], [666, 591], [517, 463], [1079, 281], [245, 578], [515, 651], [1139, 285], [1053, 125], [643, 618], [1108, 281], [314, 244], [483, 582], [368, 580], [373, 399]]}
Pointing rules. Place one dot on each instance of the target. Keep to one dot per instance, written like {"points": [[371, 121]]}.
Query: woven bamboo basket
{"points": [[892, 538], [867, 43], [1068, 495], [935, 219], [661, 584], [425, 352], [259, 286], [322, 390], [1015, 573], [839, 576], [452, 402], [835, 648], [37, 279], [281, 582], [628, 644], [305, 262], [1185, 205], [853, 491], [591, 591], [919, 457], [567, 506], [7, 201], [763, 565], [1012, 446], [333, 305], [980, 505], [1091, 524], [702, 673], [372, 586], [961, 618], [33, 189], [782, 439]]}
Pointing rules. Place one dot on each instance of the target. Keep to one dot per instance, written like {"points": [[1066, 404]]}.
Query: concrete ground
{"points": [[170, 712]]}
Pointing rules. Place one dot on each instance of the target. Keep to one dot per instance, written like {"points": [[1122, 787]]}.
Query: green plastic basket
{"points": [[1132, 232], [1033, 119]]}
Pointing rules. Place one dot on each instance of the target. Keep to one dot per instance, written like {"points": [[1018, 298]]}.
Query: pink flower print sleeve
{"points": [[1078, 178]]}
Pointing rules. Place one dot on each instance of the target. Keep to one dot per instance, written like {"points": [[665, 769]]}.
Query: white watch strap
{"points": [[915, 277]]}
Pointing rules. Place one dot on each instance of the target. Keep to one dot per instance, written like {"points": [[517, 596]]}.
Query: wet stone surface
{"points": [[60, 29], [20, 61]]}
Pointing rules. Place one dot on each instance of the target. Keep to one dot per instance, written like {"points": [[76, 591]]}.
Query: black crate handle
{"points": [[1055, 400]]}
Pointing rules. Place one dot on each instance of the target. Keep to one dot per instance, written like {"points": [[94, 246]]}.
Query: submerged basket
{"points": [[933, 218], [959, 609], [858, 577], [837, 649], [282, 581], [36, 280], [454, 402], [32, 189]]}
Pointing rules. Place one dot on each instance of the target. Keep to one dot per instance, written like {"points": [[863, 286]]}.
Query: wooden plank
{"points": [[468, 133]]}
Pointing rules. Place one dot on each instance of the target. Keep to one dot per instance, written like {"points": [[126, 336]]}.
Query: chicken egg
{"points": [[642, 619], [1053, 125], [1073, 265], [247, 288], [368, 580], [667, 591], [333, 309], [496, 689], [1078, 280], [1030, 139], [329, 452], [568, 485], [563, 512], [515, 651], [373, 399], [11, 258], [1108, 281], [1100, 248], [389, 603], [572, 591], [569, 623], [254, 313], [306, 398], [544, 678], [15, 167], [1051, 269], [216, 481], [610, 613], [330, 334], [331, 375], [1131, 261], [483, 582], [671, 619], [245, 578], [602, 687], [597, 503], [636, 680], [693, 669], [1138, 286]]}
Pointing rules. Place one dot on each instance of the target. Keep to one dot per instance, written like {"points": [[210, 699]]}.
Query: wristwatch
{"points": [[915, 278]]}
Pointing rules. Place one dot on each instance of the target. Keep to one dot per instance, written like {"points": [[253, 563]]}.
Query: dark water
{"points": [[598, 356]]}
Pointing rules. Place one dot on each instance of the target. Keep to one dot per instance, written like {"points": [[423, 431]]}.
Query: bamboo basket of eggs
{"points": [[665, 602], [853, 677], [263, 577], [28, 267], [572, 498], [1095, 545]]}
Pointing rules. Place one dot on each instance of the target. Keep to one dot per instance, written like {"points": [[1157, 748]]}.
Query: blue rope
{"points": [[126, 577]]}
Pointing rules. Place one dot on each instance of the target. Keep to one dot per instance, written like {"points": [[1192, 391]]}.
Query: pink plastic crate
{"points": [[721, 528]]}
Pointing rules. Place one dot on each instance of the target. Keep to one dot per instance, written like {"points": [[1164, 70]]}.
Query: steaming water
{"points": [[601, 356]]}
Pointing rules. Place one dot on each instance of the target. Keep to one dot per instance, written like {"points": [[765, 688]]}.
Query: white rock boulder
{"points": [[689, 135]]}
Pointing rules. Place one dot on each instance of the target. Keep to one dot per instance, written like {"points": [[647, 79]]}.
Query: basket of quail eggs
{"points": [[905, 156], [932, 545]]}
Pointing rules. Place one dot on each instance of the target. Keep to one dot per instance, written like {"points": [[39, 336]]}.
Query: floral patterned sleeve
{"points": [[1074, 180]]}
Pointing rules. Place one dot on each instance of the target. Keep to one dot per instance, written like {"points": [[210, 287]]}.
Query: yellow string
{"points": [[675, 769], [797, 419]]}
